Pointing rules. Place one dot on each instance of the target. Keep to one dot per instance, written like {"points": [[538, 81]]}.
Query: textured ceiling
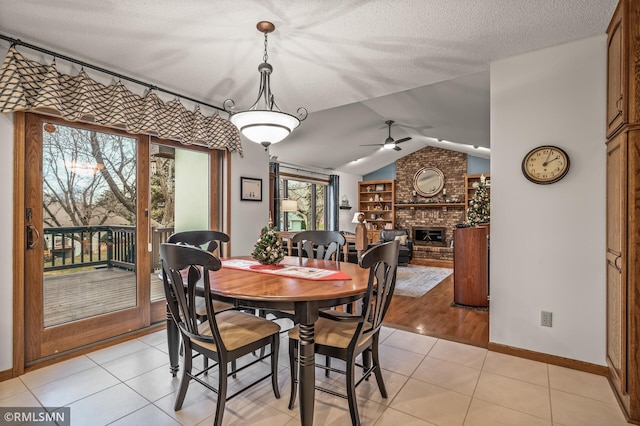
{"points": [[352, 64]]}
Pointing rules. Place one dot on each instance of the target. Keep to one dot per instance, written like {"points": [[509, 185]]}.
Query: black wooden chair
{"points": [[325, 245], [224, 336], [199, 238], [343, 336], [210, 241]]}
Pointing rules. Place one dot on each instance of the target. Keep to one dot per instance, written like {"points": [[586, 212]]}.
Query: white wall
{"points": [[548, 241], [348, 187], [6, 252], [248, 217]]}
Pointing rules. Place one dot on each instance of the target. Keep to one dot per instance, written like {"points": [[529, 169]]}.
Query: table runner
{"points": [[293, 271]]}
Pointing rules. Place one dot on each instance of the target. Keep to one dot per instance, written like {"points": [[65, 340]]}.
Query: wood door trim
{"points": [[19, 165], [40, 344], [143, 221]]}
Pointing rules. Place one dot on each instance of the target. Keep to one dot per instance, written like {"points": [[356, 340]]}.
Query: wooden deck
{"points": [[78, 295]]}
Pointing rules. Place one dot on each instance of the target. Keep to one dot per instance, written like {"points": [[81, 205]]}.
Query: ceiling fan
{"points": [[390, 143]]}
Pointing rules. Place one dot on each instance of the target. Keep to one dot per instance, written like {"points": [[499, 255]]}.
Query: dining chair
{"points": [[224, 336], [317, 244], [325, 245], [345, 336], [213, 241]]}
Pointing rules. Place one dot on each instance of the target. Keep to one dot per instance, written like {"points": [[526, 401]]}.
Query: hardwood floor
{"points": [[433, 315]]}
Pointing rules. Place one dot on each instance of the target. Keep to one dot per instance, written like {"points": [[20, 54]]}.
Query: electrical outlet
{"points": [[546, 319]]}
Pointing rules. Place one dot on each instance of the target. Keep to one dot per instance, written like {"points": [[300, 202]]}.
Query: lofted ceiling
{"points": [[352, 63]]}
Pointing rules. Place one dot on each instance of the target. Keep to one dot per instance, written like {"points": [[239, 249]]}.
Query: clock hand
{"points": [[547, 160]]}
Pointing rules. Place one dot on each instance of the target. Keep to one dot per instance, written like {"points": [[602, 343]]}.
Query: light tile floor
{"points": [[430, 382]]}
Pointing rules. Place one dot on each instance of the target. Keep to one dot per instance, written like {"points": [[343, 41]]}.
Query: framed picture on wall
{"points": [[250, 189]]}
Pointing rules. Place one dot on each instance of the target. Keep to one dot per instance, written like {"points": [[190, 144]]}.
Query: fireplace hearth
{"points": [[434, 236]]}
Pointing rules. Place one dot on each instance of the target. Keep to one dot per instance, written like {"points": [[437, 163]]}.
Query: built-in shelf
{"points": [[421, 205]]}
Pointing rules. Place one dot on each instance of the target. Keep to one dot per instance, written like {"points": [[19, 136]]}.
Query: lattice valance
{"points": [[27, 85]]}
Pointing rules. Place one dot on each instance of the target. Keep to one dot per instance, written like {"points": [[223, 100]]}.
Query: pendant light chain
{"points": [[266, 124], [265, 57]]}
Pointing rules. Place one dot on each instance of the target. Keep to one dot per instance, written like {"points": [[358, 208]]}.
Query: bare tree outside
{"points": [[91, 178], [303, 192]]}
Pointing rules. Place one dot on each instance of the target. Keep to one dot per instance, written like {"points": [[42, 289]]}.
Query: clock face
{"points": [[545, 164]]}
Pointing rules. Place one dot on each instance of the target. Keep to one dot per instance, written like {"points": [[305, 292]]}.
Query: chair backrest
{"points": [[185, 268], [319, 244], [213, 240], [382, 262]]}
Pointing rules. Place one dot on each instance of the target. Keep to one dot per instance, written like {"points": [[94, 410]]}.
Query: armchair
{"points": [[405, 254]]}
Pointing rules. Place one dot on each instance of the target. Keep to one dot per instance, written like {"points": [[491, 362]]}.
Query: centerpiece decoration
{"points": [[268, 249]]}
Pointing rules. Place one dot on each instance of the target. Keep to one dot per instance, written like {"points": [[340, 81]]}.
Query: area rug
{"points": [[416, 280]]}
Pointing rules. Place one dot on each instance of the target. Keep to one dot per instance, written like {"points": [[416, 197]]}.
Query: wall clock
{"points": [[545, 164]]}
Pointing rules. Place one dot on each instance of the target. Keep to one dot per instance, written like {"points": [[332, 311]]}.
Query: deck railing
{"points": [[97, 246]]}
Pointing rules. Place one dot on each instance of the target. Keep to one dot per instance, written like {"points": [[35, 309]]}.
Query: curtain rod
{"points": [[290, 166], [18, 42]]}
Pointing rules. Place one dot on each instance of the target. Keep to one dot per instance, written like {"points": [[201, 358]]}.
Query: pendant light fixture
{"points": [[263, 122]]}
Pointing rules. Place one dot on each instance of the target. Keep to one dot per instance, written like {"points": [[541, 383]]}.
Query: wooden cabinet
{"points": [[376, 200], [623, 60], [470, 183], [471, 266], [616, 251], [623, 206], [616, 73]]}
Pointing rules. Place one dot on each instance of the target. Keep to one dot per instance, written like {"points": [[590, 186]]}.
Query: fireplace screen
{"points": [[429, 236]]}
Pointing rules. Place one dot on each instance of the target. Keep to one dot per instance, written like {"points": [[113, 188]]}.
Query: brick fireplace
{"points": [[429, 236], [453, 165]]}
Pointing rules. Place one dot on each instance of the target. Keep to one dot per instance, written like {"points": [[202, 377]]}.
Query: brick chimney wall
{"points": [[453, 165]]}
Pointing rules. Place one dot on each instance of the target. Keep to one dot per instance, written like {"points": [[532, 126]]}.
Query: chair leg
{"points": [[222, 391], [377, 370], [351, 392], [293, 365], [233, 368], [184, 381], [327, 363], [275, 347], [366, 361]]}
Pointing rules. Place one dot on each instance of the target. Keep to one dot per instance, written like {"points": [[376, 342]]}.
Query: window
{"points": [[311, 196]]}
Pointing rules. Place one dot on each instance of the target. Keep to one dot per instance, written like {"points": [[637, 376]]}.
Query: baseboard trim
{"points": [[6, 375], [432, 262], [550, 359]]}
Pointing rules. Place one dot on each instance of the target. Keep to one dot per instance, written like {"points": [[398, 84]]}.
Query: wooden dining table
{"points": [[249, 289]]}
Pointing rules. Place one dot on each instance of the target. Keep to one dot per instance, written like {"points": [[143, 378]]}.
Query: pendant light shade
{"points": [[265, 123], [262, 126]]}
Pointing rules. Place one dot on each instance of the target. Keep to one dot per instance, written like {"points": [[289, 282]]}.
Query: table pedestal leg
{"points": [[173, 341], [307, 377]]}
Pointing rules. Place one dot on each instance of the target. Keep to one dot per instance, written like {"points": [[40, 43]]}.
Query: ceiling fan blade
{"points": [[372, 144], [403, 140], [397, 148]]}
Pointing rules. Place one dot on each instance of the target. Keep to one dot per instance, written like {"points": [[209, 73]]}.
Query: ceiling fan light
{"points": [[389, 145]]}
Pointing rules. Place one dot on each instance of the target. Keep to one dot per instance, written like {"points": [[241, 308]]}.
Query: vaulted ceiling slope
{"points": [[352, 64]]}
